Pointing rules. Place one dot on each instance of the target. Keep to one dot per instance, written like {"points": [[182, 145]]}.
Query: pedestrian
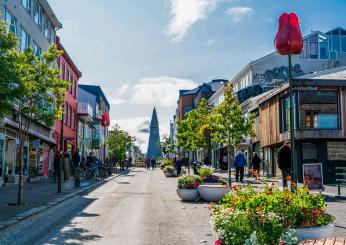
{"points": [[239, 164], [89, 160], [284, 161], [147, 163], [56, 164], [256, 161], [178, 165], [76, 159], [153, 163], [66, 163]]}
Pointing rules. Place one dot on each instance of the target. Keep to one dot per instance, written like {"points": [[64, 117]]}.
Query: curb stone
{"points": [[31, 212]]}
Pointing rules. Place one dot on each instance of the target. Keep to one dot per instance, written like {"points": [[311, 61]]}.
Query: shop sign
{"points": [[313, 176]]}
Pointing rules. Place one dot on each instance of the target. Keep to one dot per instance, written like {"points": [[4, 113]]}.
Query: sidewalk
{"points": [[38, 196]]}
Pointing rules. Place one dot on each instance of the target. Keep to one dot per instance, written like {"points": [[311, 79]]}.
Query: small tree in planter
{"points": [[168, 171], [188, 187]]}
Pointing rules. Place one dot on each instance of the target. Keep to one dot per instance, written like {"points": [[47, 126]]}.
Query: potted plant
{"points": [[168, 171], [275, 215], [188, 187], [213, 188]]}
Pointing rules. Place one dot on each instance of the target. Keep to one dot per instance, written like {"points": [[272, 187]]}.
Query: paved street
{"points": [[138, 208]]}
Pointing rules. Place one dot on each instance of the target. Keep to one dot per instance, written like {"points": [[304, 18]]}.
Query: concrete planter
{"points": [[188, 194], [314, 233], [214, 192], [169, 174]]}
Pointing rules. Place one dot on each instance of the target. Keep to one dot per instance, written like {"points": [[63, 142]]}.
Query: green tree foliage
{"points": [[9, 87], [167, 146], [192, 131], [229, 124], [40, 98], [119, 141]]}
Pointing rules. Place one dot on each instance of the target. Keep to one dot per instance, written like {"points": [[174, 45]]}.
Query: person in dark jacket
{"points": [[178, 165], [239, 164], [284, 161], [76, 159], [56, 164], [256, 161], [153, 164]]}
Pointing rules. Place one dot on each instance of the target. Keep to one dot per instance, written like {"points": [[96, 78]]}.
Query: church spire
{"points": [[154, 150]]}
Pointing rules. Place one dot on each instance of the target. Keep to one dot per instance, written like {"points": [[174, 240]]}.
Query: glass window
{"points": [[309, 152], [47, 27], [343, 43], [72, 119], [332, 54], [335, 43], [318, 109], [285, 113], [313, 47], [37, 13], [24, 40], [324, 50], [12, 22], [27, 5], [63, 71], [36, 49], [75, 88]]}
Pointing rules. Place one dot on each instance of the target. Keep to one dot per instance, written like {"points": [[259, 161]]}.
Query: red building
{"points": [[69, 72]]}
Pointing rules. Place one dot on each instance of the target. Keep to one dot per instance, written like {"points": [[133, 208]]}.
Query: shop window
{"points": [[309, 152], [336, 151], [318, 110]]}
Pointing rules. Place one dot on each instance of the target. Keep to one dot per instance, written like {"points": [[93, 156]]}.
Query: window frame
{"points": [[27, 8], [9, 13], [27, 40]]}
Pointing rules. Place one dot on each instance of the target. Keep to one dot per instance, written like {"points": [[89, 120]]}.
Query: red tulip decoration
{"points": [[288, 39], [105, 121]]}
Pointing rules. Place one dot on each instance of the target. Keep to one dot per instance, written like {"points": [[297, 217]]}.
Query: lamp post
{"points": [[288, 41], [61, 148], [105, 122]]}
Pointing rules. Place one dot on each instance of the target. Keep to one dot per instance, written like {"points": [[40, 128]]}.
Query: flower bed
{"points": [[268, 215], [168, 171]]}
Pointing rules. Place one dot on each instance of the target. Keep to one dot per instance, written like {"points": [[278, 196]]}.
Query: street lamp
{"points": [[105, 122], [288, 41]]}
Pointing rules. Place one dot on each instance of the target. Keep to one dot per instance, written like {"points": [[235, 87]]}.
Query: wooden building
{"points": [[320, 122]]}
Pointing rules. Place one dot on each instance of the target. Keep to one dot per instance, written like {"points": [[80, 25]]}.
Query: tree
{"points": [[119, 141], [9, 86], [167, 146], [229, 124], [40, 99], [193, 131]]}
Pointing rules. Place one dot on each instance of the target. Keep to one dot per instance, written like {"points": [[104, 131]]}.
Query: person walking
{"points": [[239, 164], [284, 161], [147, 163], [178, 165], [256, 161], [66, 163], [76, 160], [56, 164], [153, 163]]}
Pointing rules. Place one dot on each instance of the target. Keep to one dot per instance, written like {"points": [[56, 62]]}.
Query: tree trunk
{"points": [[229, 163], [21, 175]]}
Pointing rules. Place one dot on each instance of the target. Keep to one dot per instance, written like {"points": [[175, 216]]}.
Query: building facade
{"points": [[35, 24], [94, 96], [69, 72]]}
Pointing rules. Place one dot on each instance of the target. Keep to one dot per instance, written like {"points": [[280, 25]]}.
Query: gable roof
{"points": [[95, 90]]}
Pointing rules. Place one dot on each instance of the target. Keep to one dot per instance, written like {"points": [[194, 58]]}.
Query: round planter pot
{"points": [[213, 193], [314, 233], [169, 174], [188, 194]]}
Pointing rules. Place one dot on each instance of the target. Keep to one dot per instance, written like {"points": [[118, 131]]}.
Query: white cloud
{"points": [[238, 13], [123, 89], [185, 13], [159, 91], [209, 42]]}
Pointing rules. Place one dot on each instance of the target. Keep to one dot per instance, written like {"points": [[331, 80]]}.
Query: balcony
{"points": [[85, 112]]}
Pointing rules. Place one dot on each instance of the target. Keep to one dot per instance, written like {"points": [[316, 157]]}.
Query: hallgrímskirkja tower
{"points": [[154, 150]]}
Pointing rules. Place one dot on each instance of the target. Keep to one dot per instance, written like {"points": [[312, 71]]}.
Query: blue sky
{"points": [[143, 51]]}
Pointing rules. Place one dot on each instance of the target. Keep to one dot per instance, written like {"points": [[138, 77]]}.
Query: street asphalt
{"points": [[140, 207]]}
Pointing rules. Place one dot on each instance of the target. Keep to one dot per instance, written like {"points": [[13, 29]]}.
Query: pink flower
{"points": [[217, 242], [316, 211]]}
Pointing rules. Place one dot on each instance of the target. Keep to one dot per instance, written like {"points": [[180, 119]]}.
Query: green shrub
{"points": [[189, 182], [168, 169], [205, 172], [166, 162]]}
